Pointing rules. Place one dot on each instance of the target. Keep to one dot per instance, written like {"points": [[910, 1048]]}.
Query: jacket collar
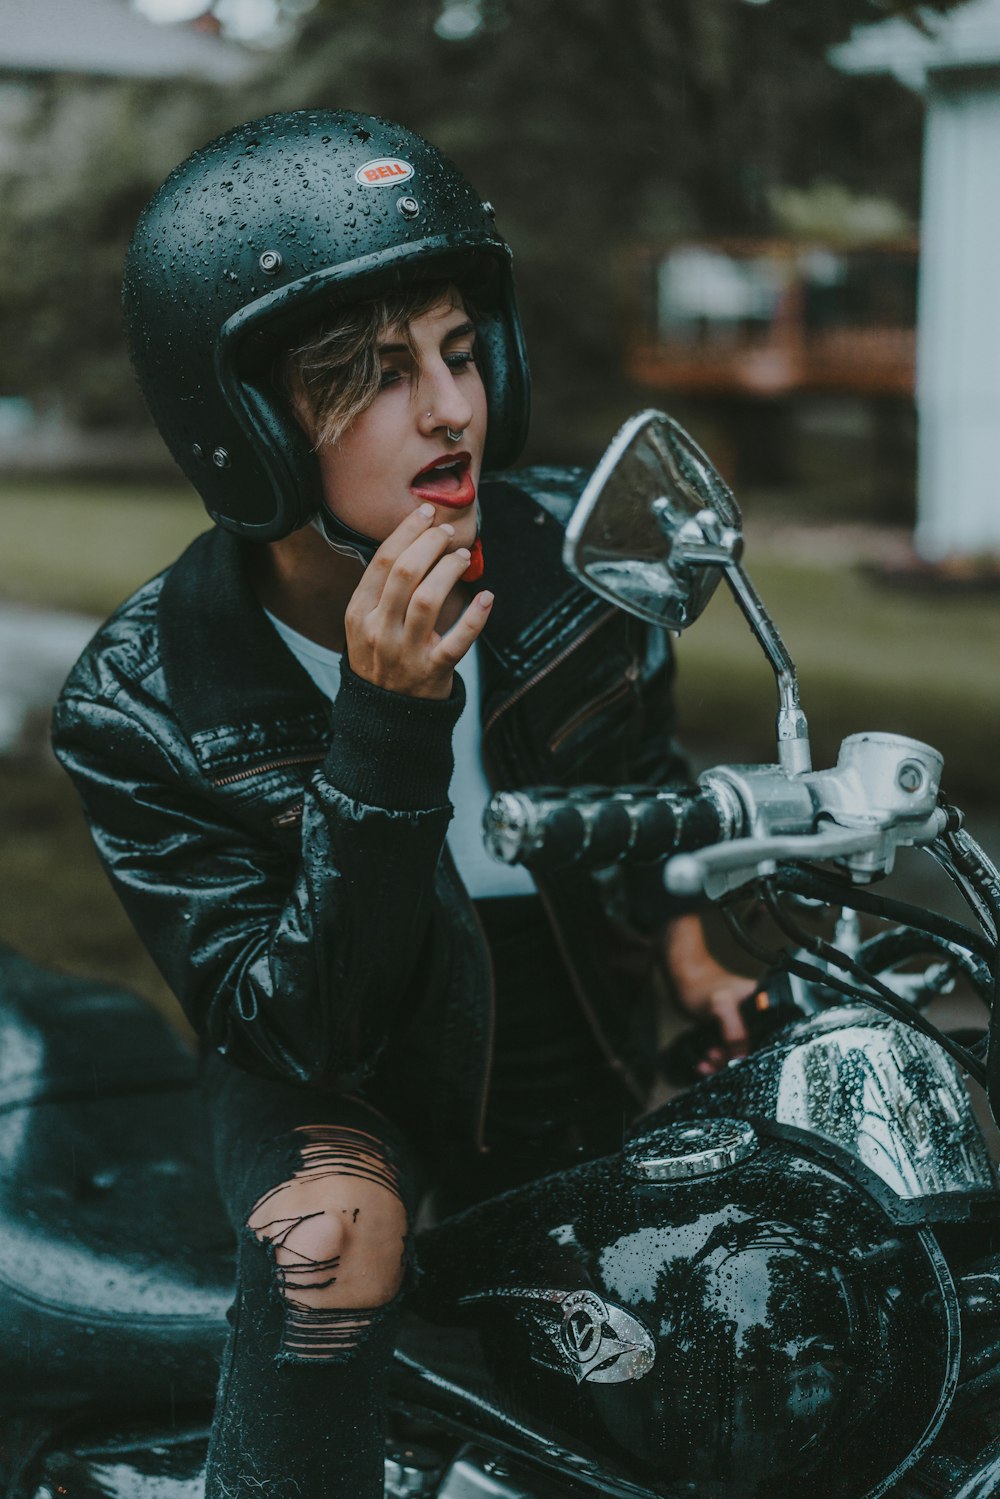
{"points": [[539, 608], [235, 686]]}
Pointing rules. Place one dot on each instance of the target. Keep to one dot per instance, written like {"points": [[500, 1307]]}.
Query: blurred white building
{"points": [[955, 65], [89, 40]]}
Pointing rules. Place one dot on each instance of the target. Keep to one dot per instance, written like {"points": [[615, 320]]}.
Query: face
{"points": [[397, 454]]}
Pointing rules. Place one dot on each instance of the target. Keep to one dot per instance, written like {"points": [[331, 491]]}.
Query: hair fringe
{"points": [[334, 374]]}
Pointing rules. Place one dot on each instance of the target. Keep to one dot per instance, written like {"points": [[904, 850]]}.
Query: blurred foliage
{"points": [[591, 124], [90, 152]]}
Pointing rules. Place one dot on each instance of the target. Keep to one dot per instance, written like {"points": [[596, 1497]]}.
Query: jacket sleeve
{"points": [[287, 967]]}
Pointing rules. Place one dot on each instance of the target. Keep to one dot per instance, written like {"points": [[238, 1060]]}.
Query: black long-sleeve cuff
{"points": [[389, 750]]}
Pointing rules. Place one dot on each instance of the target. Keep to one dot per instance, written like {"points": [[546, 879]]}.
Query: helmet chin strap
{"points": [[347, 542], [342, 538]]}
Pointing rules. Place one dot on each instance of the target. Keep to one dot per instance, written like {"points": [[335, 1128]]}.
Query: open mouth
{"points": [[446, 481]]}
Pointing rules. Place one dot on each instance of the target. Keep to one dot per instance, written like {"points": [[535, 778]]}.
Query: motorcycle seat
{"points": [[116, 1259]]}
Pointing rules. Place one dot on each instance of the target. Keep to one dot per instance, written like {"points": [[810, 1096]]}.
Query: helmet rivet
{"points": [[220, 458], [198, 451], [408, 207], [270, 262], [489, 210]]}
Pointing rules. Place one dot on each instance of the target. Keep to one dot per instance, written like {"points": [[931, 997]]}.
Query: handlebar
{"points": [[731, 829], [593, 826]]}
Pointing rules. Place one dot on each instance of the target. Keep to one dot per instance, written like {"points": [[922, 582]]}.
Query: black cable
{"points": [[880, 996], [829, 888], [770, 957], [781, 958], [886, 949]]}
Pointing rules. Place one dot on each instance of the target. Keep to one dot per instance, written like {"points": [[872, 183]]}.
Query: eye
{"points": [[460, 359], [389, 377]]}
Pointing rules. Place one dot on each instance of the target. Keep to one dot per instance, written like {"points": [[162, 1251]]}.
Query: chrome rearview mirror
{"points": [[653, 518], [654, 531]]}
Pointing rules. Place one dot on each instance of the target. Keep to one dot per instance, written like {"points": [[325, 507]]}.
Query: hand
{"points": [[391, 620], [707, 991], [715, 996]]}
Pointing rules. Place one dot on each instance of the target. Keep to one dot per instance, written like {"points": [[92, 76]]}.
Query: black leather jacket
{"points": [[283, 858]]}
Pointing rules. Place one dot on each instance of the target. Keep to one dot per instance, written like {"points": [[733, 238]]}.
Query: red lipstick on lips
{"points": [[446, 481]]}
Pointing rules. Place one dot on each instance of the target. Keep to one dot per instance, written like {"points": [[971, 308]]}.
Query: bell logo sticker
{"points": [[385, 171]]}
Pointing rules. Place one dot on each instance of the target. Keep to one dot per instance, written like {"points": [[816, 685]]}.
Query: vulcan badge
{"points": [[579, 1333]]}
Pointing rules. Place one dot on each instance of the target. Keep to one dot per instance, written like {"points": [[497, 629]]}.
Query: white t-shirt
{"points": [[470, 791]]}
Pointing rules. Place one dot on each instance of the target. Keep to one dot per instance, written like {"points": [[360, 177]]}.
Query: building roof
{"points": [[967, 38], [107, 37]]}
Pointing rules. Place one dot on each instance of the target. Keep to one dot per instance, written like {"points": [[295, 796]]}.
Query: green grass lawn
{"points": [[87, 545]]}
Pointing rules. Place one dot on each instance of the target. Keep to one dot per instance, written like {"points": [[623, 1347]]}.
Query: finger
{"points": [[731, 1024], [713, 1061], [369, 590], [466, 631], [428, 599], [411, 568]]}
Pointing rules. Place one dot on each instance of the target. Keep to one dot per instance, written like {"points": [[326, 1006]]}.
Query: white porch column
{"points": [[958, 326], [955, 65]]}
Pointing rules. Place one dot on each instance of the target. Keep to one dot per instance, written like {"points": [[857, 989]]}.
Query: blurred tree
{"points": [[592, 124], [88, 155]]}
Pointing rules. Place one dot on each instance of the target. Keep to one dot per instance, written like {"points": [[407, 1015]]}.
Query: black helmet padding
{"points": [[267, 228]]}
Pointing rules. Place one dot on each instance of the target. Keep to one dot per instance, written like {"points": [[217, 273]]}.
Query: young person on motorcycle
{"points": [[270, 739]]}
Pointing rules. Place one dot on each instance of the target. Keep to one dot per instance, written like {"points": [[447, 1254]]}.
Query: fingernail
{"points": [[463, 554], [447, 529], [427, 510], [485, 600]]}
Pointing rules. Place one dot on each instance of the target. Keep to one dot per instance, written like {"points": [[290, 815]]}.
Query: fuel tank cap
{"points": [[681, 1152]]}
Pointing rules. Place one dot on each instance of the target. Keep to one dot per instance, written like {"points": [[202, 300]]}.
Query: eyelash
{"points": [[457, 362]]}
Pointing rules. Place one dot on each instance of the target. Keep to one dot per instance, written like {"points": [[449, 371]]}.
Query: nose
{"points": [[443, 402]]}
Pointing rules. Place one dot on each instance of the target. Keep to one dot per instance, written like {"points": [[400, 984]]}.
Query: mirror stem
{"points": [[794, 754]]}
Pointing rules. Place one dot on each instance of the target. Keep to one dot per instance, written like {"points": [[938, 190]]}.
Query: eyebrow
{"points": [[458, 332]]}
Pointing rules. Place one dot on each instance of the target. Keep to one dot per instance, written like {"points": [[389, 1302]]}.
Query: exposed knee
{"points": [[337, 1228]]}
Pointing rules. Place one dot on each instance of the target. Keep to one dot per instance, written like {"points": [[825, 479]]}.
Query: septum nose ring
{"points": [[451, 433]]}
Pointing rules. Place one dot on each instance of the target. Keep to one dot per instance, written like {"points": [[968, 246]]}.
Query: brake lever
{"points": [[727, 866]]}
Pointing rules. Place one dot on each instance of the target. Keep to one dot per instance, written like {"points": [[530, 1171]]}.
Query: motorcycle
{"points": [[787, 1280]]}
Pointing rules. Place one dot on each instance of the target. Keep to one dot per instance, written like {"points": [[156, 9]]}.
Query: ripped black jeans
{"points": [[301, 1394]]}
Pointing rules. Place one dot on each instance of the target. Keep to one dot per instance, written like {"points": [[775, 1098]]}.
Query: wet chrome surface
{"points": [[698, 1148], [871, 1087]]}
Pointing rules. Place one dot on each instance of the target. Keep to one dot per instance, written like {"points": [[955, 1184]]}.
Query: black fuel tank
{"points": [[711, 1313]]}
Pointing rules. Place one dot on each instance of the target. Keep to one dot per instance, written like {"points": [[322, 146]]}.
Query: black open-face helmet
{"points": [[265, 230]]}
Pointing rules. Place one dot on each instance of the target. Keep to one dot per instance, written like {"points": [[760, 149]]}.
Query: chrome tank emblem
{"points": [[579, 1333]]}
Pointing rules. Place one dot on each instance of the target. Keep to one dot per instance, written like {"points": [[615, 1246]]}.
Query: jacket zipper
{"points": [[614, 1061], [611, 1057], [603, 700], [259, 770], [484, 1094], [289, 816]]}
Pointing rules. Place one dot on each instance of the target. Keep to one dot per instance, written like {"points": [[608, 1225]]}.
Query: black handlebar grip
{"points": [[594, 826]]}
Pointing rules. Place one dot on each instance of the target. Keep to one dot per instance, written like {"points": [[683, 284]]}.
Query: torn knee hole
{"points": [[336, 1230]]}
